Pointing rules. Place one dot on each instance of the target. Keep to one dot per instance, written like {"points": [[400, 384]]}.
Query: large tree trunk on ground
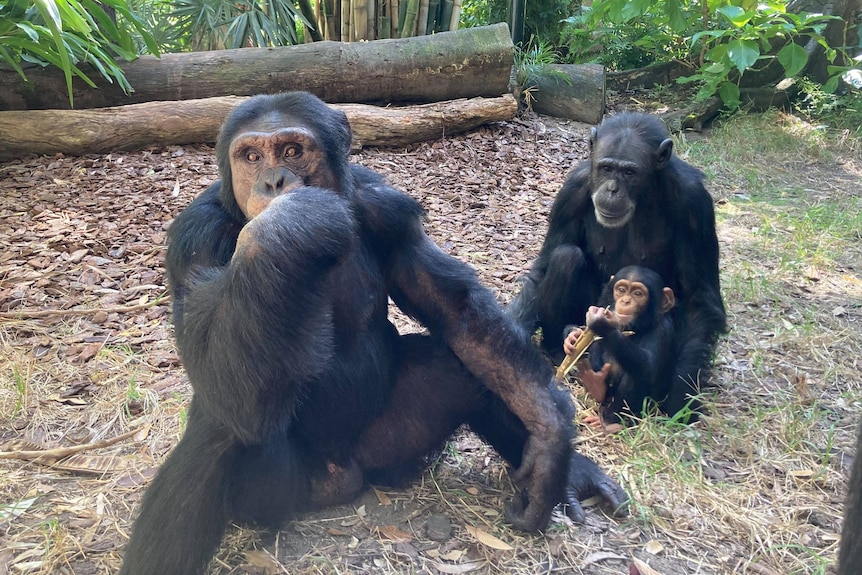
{"points": [[460, 64], [663, 73], [78, 132], [573, 91]]}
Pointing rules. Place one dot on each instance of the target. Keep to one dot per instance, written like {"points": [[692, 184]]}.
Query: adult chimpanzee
{"points": [[281, 274], [850, 554], [631, 203], [635, 366]]}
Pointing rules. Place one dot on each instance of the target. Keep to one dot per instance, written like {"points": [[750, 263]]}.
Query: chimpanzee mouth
{"points": [[613, 219]]}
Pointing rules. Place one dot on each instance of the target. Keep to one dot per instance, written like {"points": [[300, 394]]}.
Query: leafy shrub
{"points": [[723, 39], [67, 33], [543, 20]]}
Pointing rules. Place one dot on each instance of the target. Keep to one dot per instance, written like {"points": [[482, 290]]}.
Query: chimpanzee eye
{"points": [[252, 156], [607, 169], [630, 172], [292, 151]]}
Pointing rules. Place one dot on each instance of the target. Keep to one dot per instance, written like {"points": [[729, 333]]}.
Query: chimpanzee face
{"points": [[271, 158], [623, 168], [631, 298]]}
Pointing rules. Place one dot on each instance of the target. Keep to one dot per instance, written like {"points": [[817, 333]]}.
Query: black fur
{"points": [[850, 553], [671, 232], [295, 367], [642, 362]]}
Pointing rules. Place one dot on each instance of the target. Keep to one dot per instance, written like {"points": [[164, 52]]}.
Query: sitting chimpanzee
{"points": [[303, 389], [631, 203], [634, 355], [850, 554]]}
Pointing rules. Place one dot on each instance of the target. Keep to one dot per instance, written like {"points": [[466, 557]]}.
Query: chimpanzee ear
{"points": [[668, 301], [594, 137], [664, 154]]}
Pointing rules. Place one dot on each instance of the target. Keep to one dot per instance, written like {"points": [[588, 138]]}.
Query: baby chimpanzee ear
{"points": [[668, 301]]}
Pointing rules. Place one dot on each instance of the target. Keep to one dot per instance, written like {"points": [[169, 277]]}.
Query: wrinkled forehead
{"points": [[626, 144], [272, 121]]}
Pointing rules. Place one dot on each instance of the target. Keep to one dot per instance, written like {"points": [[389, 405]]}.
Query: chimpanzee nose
{"points": [[273, 180]]}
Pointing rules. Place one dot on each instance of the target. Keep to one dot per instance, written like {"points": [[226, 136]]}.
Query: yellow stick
{"points": [[581, 344]]}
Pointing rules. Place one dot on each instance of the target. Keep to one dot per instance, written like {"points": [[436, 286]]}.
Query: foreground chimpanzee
{"points": [[634, 358], [850, 554], [631, 203], [303, 389]]}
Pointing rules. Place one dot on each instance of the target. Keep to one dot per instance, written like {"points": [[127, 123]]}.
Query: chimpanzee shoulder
{"points": [[201, 236], [384, 212]]}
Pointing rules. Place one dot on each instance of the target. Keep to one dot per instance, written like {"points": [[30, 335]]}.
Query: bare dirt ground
{"points": [[87, 355]]}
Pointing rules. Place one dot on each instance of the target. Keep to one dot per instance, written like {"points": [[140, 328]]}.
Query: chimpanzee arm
{"points": [[233, 347], [445, 295], [696, 265], [636, 354], [202, 236], [550, 285]]}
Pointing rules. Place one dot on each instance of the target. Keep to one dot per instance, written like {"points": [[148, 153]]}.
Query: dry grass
{"points": [[755, 487]]}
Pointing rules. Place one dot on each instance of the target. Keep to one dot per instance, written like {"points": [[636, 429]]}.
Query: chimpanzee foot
{"points": [[586, 479]]}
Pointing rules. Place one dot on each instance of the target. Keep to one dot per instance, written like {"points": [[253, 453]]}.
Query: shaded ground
{"points": [[83, 239]]}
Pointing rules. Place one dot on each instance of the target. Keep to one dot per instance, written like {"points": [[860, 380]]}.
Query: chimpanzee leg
{"points": [[563, 297], [270, 483], [433, 395], [185, 511], [209, 479]]}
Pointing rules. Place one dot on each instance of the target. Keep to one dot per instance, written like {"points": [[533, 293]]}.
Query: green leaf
{"points": [[676, 16], [735, 15], [794, 58], [729, 94], [73, 17], [717, 68], [31, 32], [48, 11], [743, 53]]}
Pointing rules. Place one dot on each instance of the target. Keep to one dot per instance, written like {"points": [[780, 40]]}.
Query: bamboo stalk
{"points": [[581, 344], [371, 21], [422, 18], [345, 20], [410, 15], [445, 16], [433, 16], [456, 15], [360, 20]]}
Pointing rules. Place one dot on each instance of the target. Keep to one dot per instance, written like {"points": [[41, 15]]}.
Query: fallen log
{"points": [[446, 66], [573, 91], [79, 132]]}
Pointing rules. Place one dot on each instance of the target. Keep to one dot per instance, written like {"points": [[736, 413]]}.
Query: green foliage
{"points": [[67, 33], [724, 39], [588, 37], [841, 112], [530, 61], [156, 16], [743, 39], [544, 18], [214, 24]]}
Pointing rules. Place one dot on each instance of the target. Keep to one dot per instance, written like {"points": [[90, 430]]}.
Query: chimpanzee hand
{"points": [[602, 320], [540, 479], [586, 479], [571, 338], [307, 227]]}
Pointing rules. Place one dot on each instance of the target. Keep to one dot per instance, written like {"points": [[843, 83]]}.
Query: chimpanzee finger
{"points": [[586, 479]]}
